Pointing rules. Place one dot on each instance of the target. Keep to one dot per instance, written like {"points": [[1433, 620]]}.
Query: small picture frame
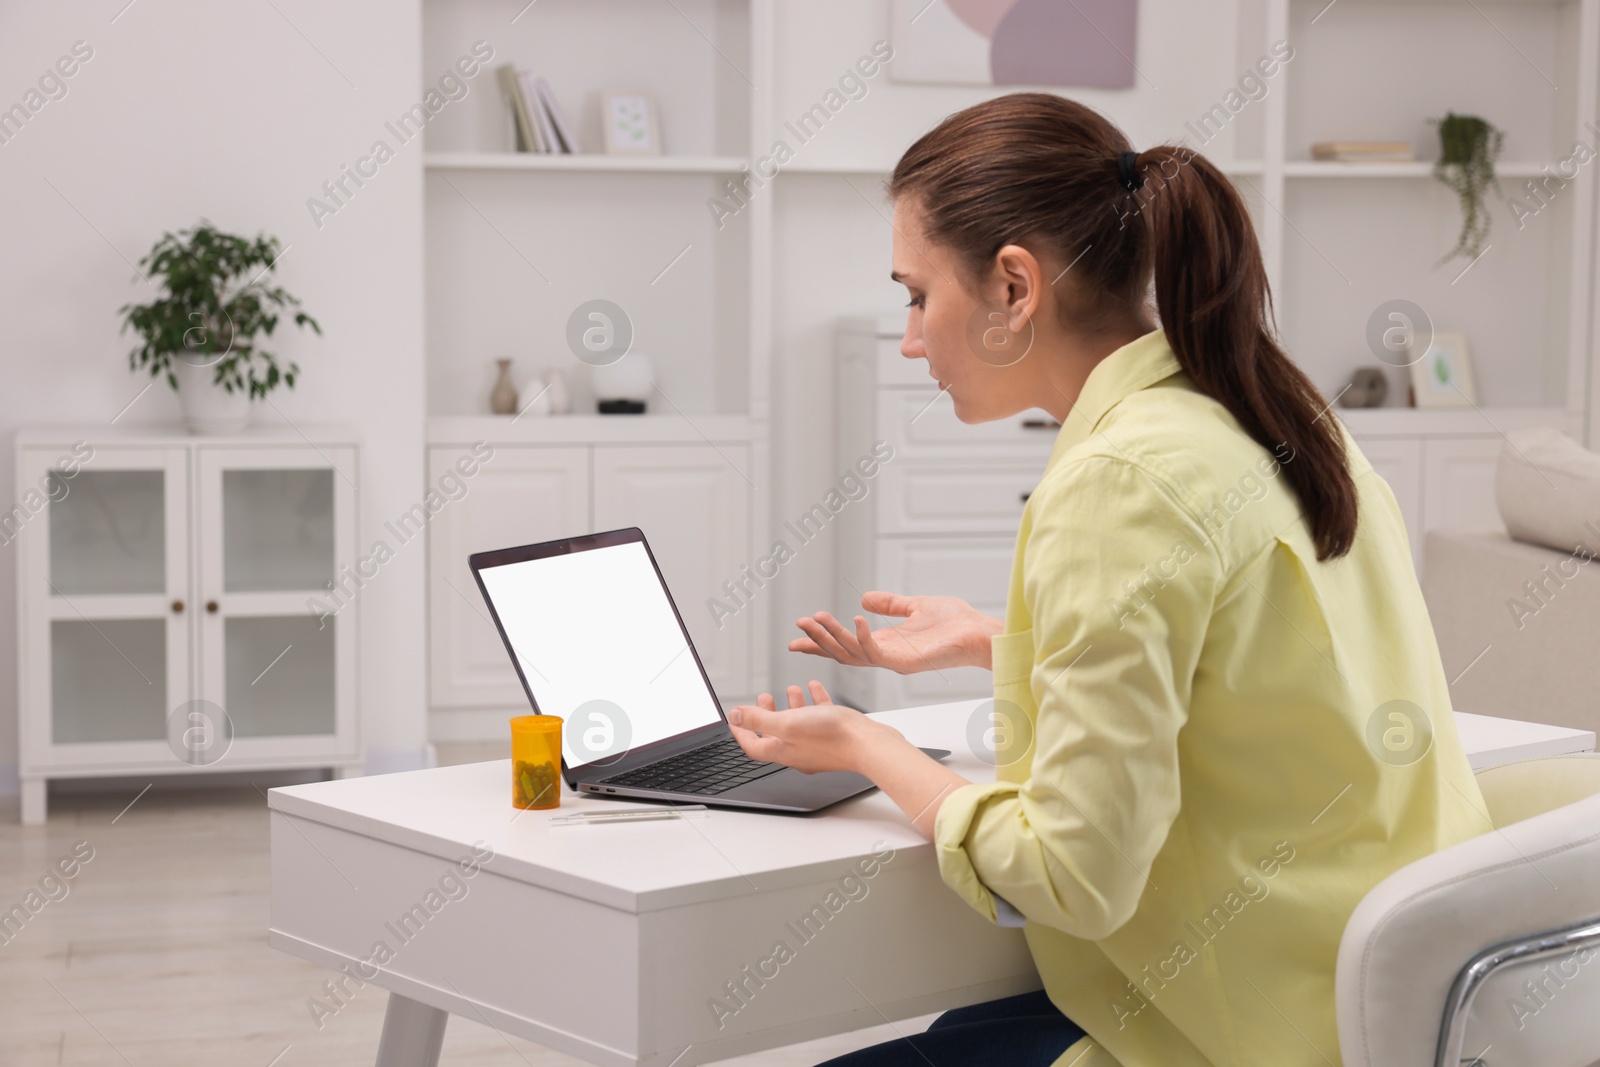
{"points": [[630, 125], [1442, 378]]}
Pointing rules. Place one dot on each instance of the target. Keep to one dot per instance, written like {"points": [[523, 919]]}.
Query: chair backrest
{"points": [[1410, 938]]}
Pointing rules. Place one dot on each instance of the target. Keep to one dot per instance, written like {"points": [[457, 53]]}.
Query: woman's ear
{"points": [[1022, 277]]}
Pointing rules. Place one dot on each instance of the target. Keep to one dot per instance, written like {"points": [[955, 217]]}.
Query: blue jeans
{"points": [[1023, 1031]]}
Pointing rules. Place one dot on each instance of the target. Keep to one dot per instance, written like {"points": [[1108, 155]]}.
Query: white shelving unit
{"points": [[516, 242], [1343, 238]]}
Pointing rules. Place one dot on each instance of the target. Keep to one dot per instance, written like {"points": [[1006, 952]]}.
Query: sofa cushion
{"points": [[1547, 487]]}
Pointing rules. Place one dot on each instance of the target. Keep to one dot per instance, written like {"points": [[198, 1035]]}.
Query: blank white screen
{"points": [[597, 625]]}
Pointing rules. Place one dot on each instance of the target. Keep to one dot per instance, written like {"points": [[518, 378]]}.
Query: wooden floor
{"points": [[156, 956]]}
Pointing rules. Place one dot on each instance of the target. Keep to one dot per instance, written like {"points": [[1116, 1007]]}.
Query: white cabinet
{"points": [[1399, 462], [693, 505], [1459, 476], [519, 496], [692, 501], [183, 604]]}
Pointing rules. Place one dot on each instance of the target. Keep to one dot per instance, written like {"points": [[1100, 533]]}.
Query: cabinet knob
{"points": [[211, 607], [177, 607], [1026, 495]]}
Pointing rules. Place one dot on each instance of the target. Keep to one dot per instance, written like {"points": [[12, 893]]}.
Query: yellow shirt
{"points": [[1210, 745]]}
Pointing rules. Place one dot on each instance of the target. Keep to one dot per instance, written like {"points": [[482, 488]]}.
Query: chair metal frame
{"points": [[1470, 981]]}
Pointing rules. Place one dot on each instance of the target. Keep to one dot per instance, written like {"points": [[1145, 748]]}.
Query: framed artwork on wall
{"points": [[629, 122], [1442, 378], [1086, 44]]}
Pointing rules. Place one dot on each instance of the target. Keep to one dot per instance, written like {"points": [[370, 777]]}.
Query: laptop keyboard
{"points": [[706, 771]]}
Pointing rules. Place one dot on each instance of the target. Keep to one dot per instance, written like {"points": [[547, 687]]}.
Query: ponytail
{"points": [[1212, 296], [1040, 168]]}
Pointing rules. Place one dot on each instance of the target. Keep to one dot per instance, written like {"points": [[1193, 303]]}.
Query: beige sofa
{"points": [[1518, 627], [1517, 613]]}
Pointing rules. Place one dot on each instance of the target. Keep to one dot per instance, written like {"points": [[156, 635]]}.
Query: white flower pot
{"points": [[208, 407]]}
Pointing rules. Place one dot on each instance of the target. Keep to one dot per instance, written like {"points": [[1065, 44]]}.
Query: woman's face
{"points": [[969, 339]]}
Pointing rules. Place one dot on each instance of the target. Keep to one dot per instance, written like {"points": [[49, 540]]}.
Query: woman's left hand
{"points": [[818, 737]]}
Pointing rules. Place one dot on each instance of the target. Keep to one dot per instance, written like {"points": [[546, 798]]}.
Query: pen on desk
{"points": [[628, 814]]}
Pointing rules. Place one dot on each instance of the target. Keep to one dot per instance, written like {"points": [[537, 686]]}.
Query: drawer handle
{"points": [[1040, 424]]}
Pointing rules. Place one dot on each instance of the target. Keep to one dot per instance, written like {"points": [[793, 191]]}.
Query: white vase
{"points": [[560, 395], [535, 397], [208, 407]]}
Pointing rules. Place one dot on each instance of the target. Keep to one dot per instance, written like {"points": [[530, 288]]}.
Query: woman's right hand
{"points": [[938, 632]]}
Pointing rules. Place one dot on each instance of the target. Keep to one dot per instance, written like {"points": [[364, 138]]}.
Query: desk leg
{"points": [[413, 1033]]}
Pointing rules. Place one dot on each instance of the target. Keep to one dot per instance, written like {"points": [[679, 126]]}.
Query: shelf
{"points": [[583, 162], [664, 428], [1453, 422], [1418, 169], [266, 429]]}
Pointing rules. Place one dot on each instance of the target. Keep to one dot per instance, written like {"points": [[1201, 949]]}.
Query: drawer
{"points": [[921, 422], [952, 496]]}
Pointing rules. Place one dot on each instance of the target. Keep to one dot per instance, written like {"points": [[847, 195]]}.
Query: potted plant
{"points": [[1468, 148], [201, 331]]}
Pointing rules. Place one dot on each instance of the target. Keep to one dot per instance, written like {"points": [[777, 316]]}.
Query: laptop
{"points": [[598, 642]]}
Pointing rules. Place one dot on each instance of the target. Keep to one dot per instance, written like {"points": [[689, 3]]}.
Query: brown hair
{"points": [[1038, 169]]}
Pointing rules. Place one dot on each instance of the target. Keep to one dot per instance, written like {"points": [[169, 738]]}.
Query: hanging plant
{"points": [[1468, 148]]}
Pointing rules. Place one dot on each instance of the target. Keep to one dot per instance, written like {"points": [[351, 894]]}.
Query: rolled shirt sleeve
{"points": [[1119, 581]]}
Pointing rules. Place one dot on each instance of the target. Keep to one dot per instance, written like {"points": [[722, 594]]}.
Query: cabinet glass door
{"points": [[276, 529], [106, 600]]}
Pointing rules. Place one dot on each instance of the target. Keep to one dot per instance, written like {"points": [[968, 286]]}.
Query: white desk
{"points": [[609, 943], [1490, 742]]}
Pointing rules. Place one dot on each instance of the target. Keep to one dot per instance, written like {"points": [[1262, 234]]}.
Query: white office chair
{"points": [[1487, 953]]}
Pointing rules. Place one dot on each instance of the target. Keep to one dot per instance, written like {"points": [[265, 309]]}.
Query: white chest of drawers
{"points": [[943, 513]]}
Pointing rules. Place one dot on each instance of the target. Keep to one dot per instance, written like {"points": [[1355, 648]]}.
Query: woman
{"points": [[1225, 714]]}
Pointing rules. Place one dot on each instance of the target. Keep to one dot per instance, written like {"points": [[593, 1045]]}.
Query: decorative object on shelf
{"points": [[623, 387], [1468, 148], [1363, 152], [200, 332], [559, 395], [503, 397], [629, 121], [532, 396], [538, 402], [1442, 378], [1088, 43], [545, 394], [1368, 388]]}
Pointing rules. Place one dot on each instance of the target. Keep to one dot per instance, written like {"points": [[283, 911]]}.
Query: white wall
{"points": [[236, 113]]}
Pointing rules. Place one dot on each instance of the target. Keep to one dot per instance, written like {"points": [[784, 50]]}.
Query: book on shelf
{"points": [[1363, 152], [543, 129], [510, 86], [541, 125], [558, 118]]}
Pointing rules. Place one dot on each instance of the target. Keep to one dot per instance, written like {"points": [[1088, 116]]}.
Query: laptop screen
{"points": [[597, 638]]}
